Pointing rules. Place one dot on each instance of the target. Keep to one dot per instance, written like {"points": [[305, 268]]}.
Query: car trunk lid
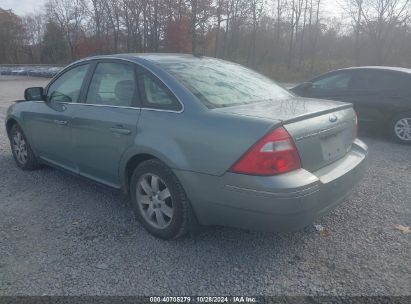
{"points": [[323, 139], [323, 131]]}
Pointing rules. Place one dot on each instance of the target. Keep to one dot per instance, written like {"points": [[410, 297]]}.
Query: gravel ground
{"points": [[61, 235]]}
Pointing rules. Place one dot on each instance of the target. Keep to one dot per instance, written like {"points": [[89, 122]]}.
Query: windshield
{"points": [[220, 84]]}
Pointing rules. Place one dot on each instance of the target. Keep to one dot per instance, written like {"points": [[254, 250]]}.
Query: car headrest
{"points": [[124, 91]]}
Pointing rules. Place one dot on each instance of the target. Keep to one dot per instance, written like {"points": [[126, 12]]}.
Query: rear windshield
{"points": [[223, 84]]}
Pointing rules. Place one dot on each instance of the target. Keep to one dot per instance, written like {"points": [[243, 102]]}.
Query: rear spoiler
{"points": [[314, 114]]}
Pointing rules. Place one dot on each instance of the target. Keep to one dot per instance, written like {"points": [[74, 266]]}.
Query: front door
{"points": [[50, 121], [104, 126]]}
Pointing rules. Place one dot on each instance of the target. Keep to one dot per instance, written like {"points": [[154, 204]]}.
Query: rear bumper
{"points": [[278, 203]]}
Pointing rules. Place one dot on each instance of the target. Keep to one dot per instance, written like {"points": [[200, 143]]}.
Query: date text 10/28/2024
{"points": [[205, 299]]}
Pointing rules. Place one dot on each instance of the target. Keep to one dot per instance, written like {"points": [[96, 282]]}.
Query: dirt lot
{"points": [[61, 235]]}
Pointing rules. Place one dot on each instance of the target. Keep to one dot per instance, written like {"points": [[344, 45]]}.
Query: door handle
{"points": [[60, 122], [120, 130]]}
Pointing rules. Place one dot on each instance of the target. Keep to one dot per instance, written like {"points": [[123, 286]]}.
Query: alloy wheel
{"points": [[155, 201], [402, 129], [20, 148]]}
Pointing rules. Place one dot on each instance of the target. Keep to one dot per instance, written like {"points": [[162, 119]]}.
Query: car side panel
{"points": [[37, 120], [372, 106], [19, 112], [50, 132], [208, 142]]}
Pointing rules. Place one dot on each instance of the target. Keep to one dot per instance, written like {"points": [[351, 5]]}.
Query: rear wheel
{"points": [[22, 152], [400, 128], [159, 201]]}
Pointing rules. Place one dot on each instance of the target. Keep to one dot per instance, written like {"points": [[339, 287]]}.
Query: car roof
{"points": [[153, 57], [381, 68], [157, 57]]}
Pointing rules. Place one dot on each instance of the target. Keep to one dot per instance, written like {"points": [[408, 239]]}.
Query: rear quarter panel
{"points": [[204, 142]]}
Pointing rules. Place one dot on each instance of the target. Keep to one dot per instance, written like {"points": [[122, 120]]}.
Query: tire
{"points": [[400, 128], [22, 152], [151, 202]]}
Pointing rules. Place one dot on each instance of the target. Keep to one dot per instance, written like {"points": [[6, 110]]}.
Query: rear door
{"points": [[105, 124], [377, 94]]}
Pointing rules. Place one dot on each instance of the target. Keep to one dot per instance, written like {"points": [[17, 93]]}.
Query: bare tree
{"points": [[11, 36], [219, 15], [34, 30], [295, 16], [69, 14], [113, 9], [381, 18], [282, 38], [200, 15], [316, 34], [302, 36], [256, 7], [96, 12]]}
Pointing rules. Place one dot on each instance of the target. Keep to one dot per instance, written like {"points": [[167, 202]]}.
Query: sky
{"points": [[24, 7]]}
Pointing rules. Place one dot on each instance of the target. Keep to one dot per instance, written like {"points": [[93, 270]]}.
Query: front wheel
{"points": [[159, 201], [22, 152], [400, 128]]}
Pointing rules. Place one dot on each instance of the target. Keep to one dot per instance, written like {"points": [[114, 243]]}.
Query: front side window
{"points": [[218, 84], [68, 86], [337, 81], [112, 84]]}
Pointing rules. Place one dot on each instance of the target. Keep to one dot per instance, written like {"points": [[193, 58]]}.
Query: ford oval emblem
{"points": [[333, 118]]}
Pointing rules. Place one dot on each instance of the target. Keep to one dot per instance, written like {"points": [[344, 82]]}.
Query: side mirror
{"points": [[36, 93]]}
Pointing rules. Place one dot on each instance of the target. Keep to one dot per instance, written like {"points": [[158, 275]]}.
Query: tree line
{"points": [[285, 39]]}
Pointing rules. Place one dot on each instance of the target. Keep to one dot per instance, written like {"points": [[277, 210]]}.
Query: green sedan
{"points": [[192, 140]]}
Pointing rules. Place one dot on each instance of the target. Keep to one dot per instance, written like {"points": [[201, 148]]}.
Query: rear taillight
{"points": [[274, 154]]}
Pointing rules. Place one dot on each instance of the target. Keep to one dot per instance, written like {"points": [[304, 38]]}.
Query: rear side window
{"points": [[67, 87], [112, 84], [380, 80], [154, 93]]}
